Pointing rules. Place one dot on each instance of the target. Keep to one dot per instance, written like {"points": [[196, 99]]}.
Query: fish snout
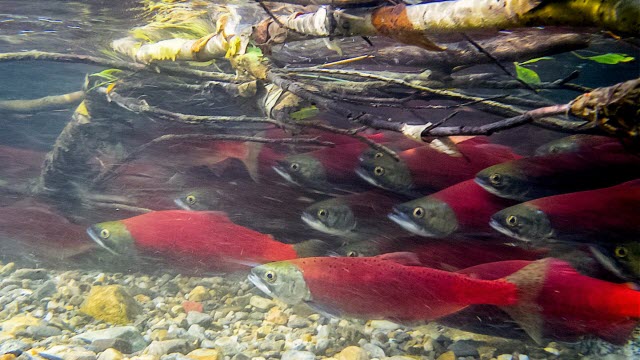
{"points": [[93, 232]]}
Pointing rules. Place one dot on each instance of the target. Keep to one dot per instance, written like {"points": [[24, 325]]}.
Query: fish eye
{"points": [[418, 212], [191, 199], [295, 166], [322, 213], [378, 170], [378, 155], [270, 276], [352, 253], [104, 233], [621, 251], [512, 220], [496, 179]]}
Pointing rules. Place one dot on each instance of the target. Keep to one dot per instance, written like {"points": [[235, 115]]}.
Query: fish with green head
{"points": [[574, 143], [622, 259], [377, 288], [352, 215], [523, 222], [553, 174], [204, 238], [425, 169], [461, 209], [606, 215]]}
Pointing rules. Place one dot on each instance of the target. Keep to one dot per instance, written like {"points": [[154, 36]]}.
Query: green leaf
{"points": [[305, 113], [609, 58], [108, 74], [254, 50], [536, 60], [527, 75]]}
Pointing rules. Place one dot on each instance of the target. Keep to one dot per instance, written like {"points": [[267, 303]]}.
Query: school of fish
{"points": [[454, 224]]}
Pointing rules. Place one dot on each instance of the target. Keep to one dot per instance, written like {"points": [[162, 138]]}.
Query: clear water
{"points": [[50, 267]]}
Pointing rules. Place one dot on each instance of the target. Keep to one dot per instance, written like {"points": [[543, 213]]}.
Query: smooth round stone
{"points": [[45, 290], [12, 346], [110, 354], [374, 351], [298, 355], [42, 331], [297, 322], [228, 344], [202, 319], [352, 353], [121, 345], [159, 348], [205, 354], [261, 303], [30, 274]]}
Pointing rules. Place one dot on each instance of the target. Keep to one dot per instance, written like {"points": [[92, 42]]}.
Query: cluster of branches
{"points": [[283, 94]]}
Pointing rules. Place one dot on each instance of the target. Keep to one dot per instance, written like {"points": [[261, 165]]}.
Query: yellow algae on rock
{"points": [[19, 323], [199, 293], [112, 304], [352, 353], [449, 355], [205, 354]]}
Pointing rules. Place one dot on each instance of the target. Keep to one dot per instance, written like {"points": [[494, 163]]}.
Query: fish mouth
{"points": [[503, 230], [365, 176], [490, 189], [94, 236], [403, 220], [255, 280], [181, 204], [280, 171], [317, 225]]}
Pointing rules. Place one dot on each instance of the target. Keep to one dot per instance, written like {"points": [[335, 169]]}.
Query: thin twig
{"points": [[87, 59], [497, 62]]}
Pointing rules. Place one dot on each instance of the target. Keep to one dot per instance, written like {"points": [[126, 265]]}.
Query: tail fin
{"points": [[311, 248], [529, 281]]}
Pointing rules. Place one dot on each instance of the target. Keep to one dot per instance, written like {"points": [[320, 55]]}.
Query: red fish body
{"points": [[436, 170], [600, 215], [568, 303], [204, 237], [30, 227], [472, 205], [380, 288]]}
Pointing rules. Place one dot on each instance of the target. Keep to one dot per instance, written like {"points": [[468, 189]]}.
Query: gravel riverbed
{"points": [[89, 315]]}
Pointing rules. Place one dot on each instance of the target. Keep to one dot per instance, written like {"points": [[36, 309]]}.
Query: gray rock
{"points": [[175, 356], [195, 317], [159, 348], [261, 303], [298, 355], [12, 346], [122, 345], [297, 322], [241, 356], [374, 351], [68, 353], [229, 345], [31, 274], [196, 331], [129, 333], [45, 290], [42, 331], [322, 345], [465, 348]]}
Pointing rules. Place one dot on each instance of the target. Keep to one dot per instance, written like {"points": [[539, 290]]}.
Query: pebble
{"points": [[122, 345], [228, 345], [205, 354], [373, 350], [199, 293], [194, 317], [449, 355], [128, 333], [297, 322], [110, 354], [352, 353], [19, 323], [465, 348], [276, 316], [31, 274], [298, 355], [45, 290], [261, 303], [42, 331], [12, 346], [68, 353], [159, 348], [112, 304]]}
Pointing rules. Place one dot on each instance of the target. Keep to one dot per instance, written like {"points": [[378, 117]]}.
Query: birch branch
{"points": [[44, 103]]}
